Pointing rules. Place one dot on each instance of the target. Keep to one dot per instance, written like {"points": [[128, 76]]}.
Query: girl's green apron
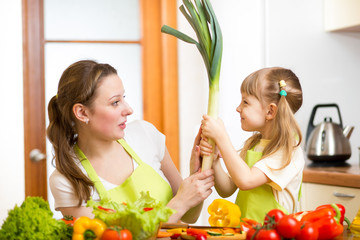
{"points": [[255, 203], [144, 178]]}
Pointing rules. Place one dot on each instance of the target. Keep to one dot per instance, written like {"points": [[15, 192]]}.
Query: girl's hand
{"points": [[206, 148], [212, 128]]}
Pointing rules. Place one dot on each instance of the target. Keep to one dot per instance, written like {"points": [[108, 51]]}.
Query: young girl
{"points": [[268, 170], [99, 155]]}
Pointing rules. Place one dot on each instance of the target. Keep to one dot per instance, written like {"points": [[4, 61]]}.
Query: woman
{"points": [[98, 155]]}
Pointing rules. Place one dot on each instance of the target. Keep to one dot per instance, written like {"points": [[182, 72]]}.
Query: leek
{"points": [[210, 45]]}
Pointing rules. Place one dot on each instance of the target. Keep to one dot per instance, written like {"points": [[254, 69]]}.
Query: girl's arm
{"points": [[244, 177], [224, 185], [190, 193]]}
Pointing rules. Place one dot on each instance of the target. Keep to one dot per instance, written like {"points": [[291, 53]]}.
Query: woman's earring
{"points": [[87, 121]]}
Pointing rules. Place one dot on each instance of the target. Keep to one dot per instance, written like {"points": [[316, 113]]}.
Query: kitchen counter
{"points": [[346, 235], [346, 176]]}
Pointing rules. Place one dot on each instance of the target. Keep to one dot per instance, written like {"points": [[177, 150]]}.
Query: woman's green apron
{"points": [[144, 178], [255, 203]]}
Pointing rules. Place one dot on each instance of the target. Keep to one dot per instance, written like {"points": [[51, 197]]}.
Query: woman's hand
{"points": [[195, 159], [212, 128], [195, 189]]}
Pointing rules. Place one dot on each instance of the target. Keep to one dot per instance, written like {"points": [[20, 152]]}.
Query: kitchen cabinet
{"points": [[342, 15], [323, 185], [314, 194]]}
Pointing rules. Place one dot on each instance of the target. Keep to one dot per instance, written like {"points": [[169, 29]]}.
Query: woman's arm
{"points": [[190, 193], [77, 211]]}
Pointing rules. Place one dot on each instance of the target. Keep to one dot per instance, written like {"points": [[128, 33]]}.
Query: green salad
{"points": [[141, 217], [33, 220]]}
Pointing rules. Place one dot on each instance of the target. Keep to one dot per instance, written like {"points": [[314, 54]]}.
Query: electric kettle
{"points": [[328, 141]]}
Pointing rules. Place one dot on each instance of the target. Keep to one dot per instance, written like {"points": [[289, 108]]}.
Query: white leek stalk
{"points": [[210, 45]]}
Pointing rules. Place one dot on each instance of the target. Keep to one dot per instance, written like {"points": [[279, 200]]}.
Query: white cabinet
{"points": [[314, 195], [342, 15]]}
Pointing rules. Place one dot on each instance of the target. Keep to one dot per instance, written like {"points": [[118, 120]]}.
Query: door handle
{"points": [[36, 155], [344, 195]]}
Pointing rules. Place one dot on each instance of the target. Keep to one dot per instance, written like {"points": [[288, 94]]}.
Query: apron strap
{"points": [[130, 151], [91, 172]]}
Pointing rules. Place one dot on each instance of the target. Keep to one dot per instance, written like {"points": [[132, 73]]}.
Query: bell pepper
{"points": [[327, 221], [342, 211], [86, 228], [318, 214], [224, 213], [328, 228]]}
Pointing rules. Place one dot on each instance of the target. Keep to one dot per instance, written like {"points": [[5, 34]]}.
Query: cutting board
{"points": [[236, 236]]}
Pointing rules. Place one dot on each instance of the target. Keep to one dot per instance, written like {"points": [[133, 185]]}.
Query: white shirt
{"points": [[142, 137], [285, 182]]}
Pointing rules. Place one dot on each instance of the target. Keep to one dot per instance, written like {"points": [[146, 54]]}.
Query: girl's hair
{"points": [[285, 131], [77, 84]]}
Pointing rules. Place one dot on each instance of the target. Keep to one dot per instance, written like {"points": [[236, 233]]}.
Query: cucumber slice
{"points": [[229, 234], [213, 233]]}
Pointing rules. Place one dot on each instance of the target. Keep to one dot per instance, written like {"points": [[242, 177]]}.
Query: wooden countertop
{"points": [[347, 235], [346, 176]]}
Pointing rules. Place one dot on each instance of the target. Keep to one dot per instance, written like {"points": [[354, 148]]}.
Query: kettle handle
{"points": [[312, 116]]}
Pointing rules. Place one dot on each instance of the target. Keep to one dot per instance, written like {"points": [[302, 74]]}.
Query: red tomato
{"points": [[288, 226], [275, 214], [267, 234], [250, 233], [113, 234], [125, 235], [308, 231], [110, 234], [69, 220], [200, 237]]}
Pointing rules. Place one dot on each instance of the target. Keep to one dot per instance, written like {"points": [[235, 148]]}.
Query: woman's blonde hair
{"points": [[77, 84], [264, 84]]}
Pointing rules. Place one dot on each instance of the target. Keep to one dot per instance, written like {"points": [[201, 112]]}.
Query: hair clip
{"points": [[283, 93], [56, 96], [282, 83]]}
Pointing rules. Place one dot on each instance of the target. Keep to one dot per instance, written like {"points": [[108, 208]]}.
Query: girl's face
{"points": [[109, 111], [252, 113]]}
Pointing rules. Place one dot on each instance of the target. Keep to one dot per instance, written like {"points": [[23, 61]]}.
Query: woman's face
{"points": [[109, 111], [252, 113]]}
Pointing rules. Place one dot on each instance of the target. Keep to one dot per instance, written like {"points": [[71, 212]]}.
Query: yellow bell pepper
{"points": [[83, 224], [224, 213]]}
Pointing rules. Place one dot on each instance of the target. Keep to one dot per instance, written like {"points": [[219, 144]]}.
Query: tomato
{"points": [[200, 237], [308, 231], [125, 235], [288, 226], [267, 234], [273, 215], [250, 233], [69, 220], [114, 234]]}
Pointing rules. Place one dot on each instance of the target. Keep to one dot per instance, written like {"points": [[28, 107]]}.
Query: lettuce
{"points": [[33, 220], [133, 216]]}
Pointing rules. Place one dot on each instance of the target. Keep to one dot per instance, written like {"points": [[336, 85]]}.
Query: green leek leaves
{"points": [[210, 45]]}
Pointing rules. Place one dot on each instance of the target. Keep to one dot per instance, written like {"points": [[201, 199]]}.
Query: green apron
{"points": [[256, 202], [144, 178]]}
